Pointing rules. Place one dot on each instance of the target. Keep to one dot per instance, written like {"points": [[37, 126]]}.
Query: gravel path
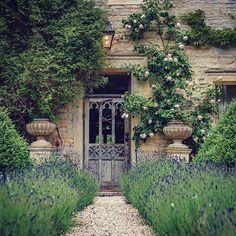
{"points": [[110, 216]]}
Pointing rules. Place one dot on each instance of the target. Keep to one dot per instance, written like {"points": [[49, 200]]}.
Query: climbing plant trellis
{"points": [[175, 95]]}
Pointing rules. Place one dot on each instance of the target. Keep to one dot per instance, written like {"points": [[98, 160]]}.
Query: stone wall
{"points": [[218, 14]]}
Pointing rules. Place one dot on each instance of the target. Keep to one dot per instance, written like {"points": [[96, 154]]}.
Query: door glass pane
{"points": [[94, 123], [119, 125], [107, 123]]}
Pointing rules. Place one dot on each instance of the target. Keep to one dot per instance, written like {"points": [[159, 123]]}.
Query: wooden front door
{"points": [[106, 139]]}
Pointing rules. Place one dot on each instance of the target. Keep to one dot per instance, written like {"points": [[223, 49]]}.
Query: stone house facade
{"points": [[211, 65]]}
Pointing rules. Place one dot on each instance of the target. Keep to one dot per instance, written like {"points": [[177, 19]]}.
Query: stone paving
{"points": [[110, 216]]}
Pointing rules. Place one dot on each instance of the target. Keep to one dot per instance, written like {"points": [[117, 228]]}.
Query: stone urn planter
{"points": [[177, 131], [41, 128]]}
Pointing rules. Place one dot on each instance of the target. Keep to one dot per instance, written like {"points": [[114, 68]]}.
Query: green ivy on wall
{"points": [[203, 35], [175, 97], [49, 50]]}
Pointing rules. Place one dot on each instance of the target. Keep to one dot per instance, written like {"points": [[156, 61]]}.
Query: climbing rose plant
{"points": [[175, 97]]}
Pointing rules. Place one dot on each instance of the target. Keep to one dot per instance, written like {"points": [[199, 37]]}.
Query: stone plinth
{"points": [[40, 155], [178, 153]]}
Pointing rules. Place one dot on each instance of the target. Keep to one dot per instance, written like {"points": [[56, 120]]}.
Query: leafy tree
{"points": [[220, 145], [49, 51]]}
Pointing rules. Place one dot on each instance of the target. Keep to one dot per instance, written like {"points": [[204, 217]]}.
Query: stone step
{"points": [[109, 194]]}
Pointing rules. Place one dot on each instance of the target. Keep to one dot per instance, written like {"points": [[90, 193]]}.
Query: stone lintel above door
{"points": [[120, 61]]}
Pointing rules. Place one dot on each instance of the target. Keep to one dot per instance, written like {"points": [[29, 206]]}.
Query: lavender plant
{"points": [[179, 198], [43, 200]]}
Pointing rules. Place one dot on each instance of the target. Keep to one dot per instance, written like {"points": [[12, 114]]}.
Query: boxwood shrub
{"points": [[220, 144], [13, 148]]}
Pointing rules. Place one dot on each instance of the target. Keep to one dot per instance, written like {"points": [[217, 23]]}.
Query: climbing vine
{"points": [[203, 35], [175, 97], [49, 50]]}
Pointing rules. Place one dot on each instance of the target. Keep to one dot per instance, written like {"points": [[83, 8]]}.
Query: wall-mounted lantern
{"points": [[108, 35]]}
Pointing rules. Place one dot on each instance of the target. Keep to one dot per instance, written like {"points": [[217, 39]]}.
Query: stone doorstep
{"points": [[109, 194]]}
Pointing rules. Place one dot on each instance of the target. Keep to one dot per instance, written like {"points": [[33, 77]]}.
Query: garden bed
{"points": [[183, 199], [43, 199]]}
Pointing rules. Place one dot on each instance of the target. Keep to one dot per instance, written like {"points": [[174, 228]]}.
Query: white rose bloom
{"points": [[142, 16], [168, 78], [212, 101], [125, 115], [170, 59], [175, 59], [151, 135], [196, 139], [144, 108], [176, 106], [169, 55], [135, 21], [146, 74], [203, 131], [185, 38], [172, 109], [165, 59], [190, 84], [141, 26], [154, 86], [181, 46], [149, 121], [199, 117], [178, 24], [143, 136]]}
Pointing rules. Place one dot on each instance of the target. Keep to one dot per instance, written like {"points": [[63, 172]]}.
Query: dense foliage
{"points": [[13, 148], [42, 201], [220, 144], [179, 198], [204, 35], [48, 51], [175, 95]]}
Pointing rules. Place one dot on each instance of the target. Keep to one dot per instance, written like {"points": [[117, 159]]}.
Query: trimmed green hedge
{"points": [[220, 144], [42, 201], [13, 148]]}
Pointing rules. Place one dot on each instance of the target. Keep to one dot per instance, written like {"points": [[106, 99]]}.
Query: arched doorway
{"points": [[106, 133]]}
